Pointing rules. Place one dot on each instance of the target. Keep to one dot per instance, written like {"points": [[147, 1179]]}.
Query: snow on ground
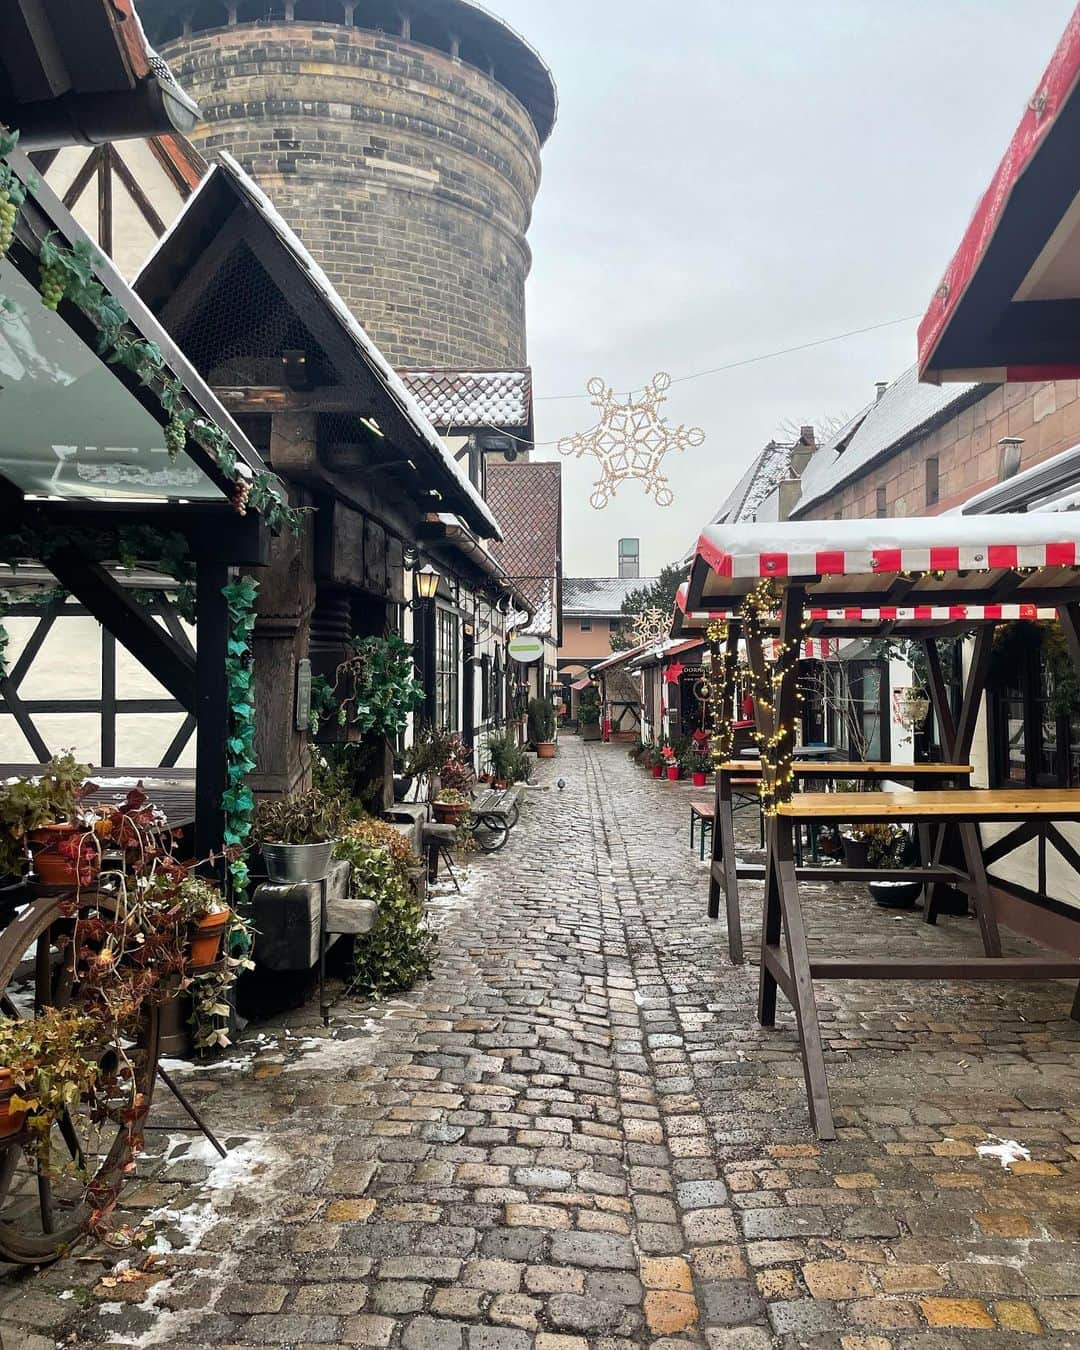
{"points": [[1006, 1151]]}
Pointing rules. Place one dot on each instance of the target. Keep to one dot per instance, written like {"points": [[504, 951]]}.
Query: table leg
{"points": [[806, 1016], [984, 907], [716, 856], [724, 827]]}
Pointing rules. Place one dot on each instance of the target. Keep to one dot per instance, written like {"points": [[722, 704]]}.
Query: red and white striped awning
{"points": [[1000, 311], [935, 561]]}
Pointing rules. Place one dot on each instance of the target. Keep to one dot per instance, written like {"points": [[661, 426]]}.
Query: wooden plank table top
{"points": [[853, 769], [963, 804]]}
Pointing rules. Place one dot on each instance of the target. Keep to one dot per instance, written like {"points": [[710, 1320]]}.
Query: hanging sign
{"points": [[526, 650]]}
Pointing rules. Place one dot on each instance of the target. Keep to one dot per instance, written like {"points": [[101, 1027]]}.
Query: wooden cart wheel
{"points": [[44, 1211]]}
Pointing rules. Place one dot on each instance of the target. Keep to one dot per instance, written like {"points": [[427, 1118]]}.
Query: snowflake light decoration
{"points": [[630, 441], [649, 627]]}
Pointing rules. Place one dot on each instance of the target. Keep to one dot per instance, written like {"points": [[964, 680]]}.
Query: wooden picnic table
{"points": [[726, 871]]}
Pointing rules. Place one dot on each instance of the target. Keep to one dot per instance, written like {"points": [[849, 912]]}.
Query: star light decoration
{"points": [[630, 440], [649, 627]]}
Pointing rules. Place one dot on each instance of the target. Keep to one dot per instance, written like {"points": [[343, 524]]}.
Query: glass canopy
{"points": [[68, 427]]}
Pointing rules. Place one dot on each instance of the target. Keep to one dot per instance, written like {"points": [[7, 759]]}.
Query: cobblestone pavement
{"points": [[576, 1136]]}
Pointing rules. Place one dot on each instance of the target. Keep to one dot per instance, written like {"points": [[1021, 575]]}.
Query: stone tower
{"points": [[402, 143]]}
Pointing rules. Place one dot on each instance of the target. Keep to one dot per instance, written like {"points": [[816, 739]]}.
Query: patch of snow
{"points": [[110, 1309], [1006, 1151]]}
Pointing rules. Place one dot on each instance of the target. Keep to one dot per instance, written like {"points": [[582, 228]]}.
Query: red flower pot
{"points": [[699, 779], [53, 867], [658, 771], [206, 939], [673, 773]]}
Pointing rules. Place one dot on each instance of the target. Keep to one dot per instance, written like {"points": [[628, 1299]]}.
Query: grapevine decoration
{"points": [[719, 686], [69, 274], [775, 740], [630, 441], [237, 801]]}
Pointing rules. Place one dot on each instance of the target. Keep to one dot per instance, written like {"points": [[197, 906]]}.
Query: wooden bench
{"points": [[702, 814]]}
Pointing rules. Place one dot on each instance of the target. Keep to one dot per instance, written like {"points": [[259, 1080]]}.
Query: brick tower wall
{"points": [[409, 175]]}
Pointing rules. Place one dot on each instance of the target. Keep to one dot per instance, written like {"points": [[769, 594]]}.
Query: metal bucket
{"points": [[294, 863]]}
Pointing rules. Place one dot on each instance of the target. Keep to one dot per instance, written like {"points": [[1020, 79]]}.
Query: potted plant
{"points": [[653, 761], [699, 762], [542, 727], [210, 920], [671, 763], [48, 1062], [451, 806], [885, 846], [297, 834], [589, 714], [41, 813]]}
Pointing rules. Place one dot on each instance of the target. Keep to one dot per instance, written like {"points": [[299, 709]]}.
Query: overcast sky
{"points": [[730, 177]]}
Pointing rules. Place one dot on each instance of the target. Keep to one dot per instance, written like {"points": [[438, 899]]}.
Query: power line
{"points": [[716, 370]]}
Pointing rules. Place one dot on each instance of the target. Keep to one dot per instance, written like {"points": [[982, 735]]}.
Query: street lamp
{"points": [[427, 583]]}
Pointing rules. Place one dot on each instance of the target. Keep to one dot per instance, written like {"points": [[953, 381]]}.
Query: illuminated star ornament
{"points": [[673, 672], [630, 441]]}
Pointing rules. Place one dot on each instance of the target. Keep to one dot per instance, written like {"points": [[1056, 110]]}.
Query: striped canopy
{"points": [[935, 562]]}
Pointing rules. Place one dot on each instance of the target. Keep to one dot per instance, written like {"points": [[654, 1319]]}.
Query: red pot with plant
{"points": [[671, 763], [207, 936], [451, 807], [55, 851], [698, 778], [657, 771], [11, 1122], [673, 773]]}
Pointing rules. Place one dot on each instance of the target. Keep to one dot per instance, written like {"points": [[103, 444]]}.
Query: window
{"points": [[1035, 735], [586, 625], [485, 688], [882, 502], [447, 668], [932, 484]]}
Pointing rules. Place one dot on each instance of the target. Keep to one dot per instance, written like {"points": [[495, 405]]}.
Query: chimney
{"points": [[881, 386], [806, 436]]}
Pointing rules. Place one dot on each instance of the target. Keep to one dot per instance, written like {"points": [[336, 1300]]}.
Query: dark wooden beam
{"points": [[128, 621]]}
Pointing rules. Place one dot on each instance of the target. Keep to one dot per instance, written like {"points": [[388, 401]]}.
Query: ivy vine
{"points": [[68, 273], [238, 801]]}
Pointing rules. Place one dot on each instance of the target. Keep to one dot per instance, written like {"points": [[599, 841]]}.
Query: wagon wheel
{"points": [[513, 815], [491, 833], [44, 1210]]}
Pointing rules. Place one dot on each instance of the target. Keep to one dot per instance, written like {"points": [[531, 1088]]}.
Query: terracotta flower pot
{"points": [[545, 749], [51, 866], [658, 771], [11, 1122], [673, 772], [451, 813], [699, 778], [206, 939]]}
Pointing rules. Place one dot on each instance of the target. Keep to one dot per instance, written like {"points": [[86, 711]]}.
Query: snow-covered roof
{"points": [[365, 345], [766, 471], [473, 400], [601, 597], [904, 411]]}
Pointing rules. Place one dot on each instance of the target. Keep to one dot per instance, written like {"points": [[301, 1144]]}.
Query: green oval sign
{"points": [[526, 650]]}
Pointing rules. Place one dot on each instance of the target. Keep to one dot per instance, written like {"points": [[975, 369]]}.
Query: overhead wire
{"points": [[715, 370]]}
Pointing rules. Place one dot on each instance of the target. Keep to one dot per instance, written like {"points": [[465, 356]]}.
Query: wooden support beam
{"points": [[946, 968], [939, 697], [119, 611]]}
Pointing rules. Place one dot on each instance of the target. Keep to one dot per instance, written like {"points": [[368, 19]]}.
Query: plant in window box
{"points": [[542, 727], [40, 814], [297, 834]]}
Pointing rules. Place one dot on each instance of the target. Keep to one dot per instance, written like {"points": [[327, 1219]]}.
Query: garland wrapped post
{"points": [[237, 800], [720, 689]]}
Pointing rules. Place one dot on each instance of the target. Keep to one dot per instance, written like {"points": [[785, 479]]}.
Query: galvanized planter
{"points": [[294, 863]]}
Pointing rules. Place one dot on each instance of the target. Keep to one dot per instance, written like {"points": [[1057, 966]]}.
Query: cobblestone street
{"points": [[577, 1136]]}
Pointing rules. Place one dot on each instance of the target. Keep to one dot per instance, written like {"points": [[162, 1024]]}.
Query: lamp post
{"points": [[425, 588]]}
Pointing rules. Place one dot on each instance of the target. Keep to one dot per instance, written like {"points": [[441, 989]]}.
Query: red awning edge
{"points": [[1051, 94]]}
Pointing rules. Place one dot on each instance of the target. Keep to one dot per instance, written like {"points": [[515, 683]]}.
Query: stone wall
{"points": [[409, 175], [1046, 415]]}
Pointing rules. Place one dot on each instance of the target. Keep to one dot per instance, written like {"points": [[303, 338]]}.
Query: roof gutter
{"points": [[462, 540]]}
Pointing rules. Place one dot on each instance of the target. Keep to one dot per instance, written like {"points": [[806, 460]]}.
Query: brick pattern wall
{"points": [[1046, 415], [410, 176]]}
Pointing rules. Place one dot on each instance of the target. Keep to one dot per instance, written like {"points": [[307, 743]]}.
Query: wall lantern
{"points": [[427, 583]]}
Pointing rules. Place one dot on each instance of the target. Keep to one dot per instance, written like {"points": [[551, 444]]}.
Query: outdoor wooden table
{"points": [[920, 580], [726, 871]]}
